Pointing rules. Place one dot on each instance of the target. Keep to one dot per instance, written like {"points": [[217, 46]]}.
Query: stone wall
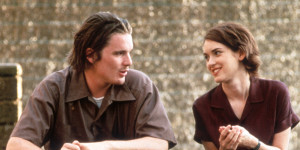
{"points": [[168, 35], [10, 99]]}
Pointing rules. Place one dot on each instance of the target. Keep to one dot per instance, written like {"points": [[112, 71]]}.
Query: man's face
{"points": [[115, 60]]}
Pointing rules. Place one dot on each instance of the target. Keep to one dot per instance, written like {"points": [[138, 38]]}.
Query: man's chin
{"points": [[120, 82]]}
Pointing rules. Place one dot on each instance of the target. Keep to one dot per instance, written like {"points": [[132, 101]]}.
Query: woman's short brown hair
{"points": [[237, 38], [95, 33]]}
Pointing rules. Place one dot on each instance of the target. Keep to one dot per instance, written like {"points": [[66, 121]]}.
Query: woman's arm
{"points": [[280, 141]]}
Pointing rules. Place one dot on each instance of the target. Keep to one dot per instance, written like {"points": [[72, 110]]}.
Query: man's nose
{"points": [[128, 60]]}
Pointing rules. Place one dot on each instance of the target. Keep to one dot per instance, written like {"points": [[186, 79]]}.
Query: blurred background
{"points": [[168, 36]]}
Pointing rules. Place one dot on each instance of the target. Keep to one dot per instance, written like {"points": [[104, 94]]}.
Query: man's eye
{"points": [[119, 53]]}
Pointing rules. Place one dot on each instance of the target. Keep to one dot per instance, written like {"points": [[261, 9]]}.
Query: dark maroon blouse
{"points": [[268, 111]]}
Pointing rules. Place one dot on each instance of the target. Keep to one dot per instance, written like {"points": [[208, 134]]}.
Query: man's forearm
{"points": [[145, 143], [16, 143]]}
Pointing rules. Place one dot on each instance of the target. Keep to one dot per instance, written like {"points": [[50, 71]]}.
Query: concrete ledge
{"points": [[10, 69], [8, 112], [5, 131], [9, 88], [10, 96], [10, 81]]}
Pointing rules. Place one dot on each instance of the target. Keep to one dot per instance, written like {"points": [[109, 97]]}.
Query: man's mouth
{"points": [[123, 73]]}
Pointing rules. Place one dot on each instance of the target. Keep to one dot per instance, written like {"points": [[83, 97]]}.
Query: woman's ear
{"points": [[242, 55], [89, 53]]}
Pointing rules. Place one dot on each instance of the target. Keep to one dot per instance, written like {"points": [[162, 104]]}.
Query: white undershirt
{"points": [[98, 100]]}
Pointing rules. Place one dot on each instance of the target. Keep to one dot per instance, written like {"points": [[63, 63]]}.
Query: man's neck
{"points": [[95, 85]]}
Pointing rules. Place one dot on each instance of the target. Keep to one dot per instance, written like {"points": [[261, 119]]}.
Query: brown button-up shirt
{"points": [[60, 111], [267, 111]]}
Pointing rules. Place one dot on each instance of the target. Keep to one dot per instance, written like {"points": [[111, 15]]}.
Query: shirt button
{"points": [[71, 106], [94, 129]]}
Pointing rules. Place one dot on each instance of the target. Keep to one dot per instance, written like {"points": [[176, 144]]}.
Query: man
{"points": [[97, 102]]}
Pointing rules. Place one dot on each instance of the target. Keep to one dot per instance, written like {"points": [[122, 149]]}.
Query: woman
{"points": [[243, 111]]}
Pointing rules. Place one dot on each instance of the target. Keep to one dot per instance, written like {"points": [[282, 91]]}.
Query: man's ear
{"points": [[89, 53], [242, 55]]}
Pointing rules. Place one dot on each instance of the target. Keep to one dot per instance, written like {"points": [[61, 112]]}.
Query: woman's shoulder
{"points": [[270, 84], [204, 99]]}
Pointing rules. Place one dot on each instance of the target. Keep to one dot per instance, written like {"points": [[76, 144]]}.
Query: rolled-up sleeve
{"points": [[152, 118], [37, 118], [285, 116]]}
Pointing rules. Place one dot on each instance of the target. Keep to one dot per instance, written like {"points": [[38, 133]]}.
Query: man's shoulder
{"points": [[137, 78], [136, 73], [57, 77]]}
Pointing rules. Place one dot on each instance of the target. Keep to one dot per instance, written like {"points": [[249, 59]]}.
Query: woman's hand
{"points": [[229, 137], [245, 138]]}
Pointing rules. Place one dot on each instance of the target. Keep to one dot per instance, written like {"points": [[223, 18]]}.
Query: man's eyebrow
{"points": [[117, 51]]}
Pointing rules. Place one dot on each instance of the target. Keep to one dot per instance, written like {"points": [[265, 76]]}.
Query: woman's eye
{"points": [[217, 53], [206, 57]]}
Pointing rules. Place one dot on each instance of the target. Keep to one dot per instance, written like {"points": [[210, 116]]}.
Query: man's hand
{"points": [[71, 146], [76, 145]]}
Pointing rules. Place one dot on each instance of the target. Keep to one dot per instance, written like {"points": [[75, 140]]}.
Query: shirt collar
{"points": [[121, 93], [78, 89], [219, 98], [256, 91]]}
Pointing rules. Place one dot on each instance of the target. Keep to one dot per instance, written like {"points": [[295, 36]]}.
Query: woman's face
{"points": [[221, 61]]}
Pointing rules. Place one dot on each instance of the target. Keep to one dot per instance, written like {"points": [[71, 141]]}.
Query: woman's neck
{"points": [[237, 88]]}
